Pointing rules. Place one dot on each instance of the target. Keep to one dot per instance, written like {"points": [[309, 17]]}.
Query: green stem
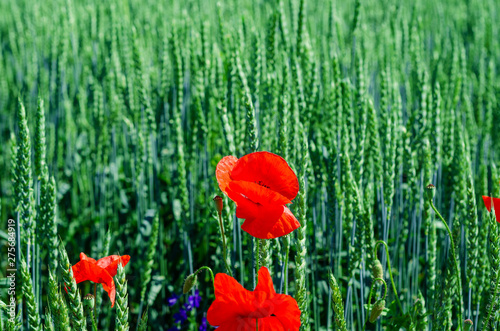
{"points": [[390, 270], [370, 297], [89, 315], [224, 245], [95, 296], [452, 243], [211, 274], [287, 248], [257, 258], [92, 318]]}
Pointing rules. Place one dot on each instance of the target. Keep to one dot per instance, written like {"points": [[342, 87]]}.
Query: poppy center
{"points": [[261, 184]]}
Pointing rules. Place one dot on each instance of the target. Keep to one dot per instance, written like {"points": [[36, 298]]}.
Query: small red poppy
{"points": [[237, 309], [101, 271], [496, 204], [261, 184]]}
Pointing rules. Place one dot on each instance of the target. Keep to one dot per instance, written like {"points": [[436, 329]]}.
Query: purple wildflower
{"points": [[194, 300], [203, 325], [181, 316], [173, 300]]}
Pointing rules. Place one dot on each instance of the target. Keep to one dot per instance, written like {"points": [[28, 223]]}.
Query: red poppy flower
{"points": [[261, 184], [101, 271], [237, 309], [496, 204]]}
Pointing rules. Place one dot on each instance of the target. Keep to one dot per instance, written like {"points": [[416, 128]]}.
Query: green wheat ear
{"points": [[148, 265], [24, 200], [31, 304], [57, 305], [104, 252], [494, 252], [338, 305], [143, 324], [473, 231], [78, 320], [421, 313], [301, 246], [40, 145], [121, 300], [48, 325], [13, 168]]}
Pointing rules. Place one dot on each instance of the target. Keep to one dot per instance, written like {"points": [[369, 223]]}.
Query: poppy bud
{"points": [[189, 283], [468, 323], [218, 203], [430, 190], [88, 302], [377, 309], [377, 270]]}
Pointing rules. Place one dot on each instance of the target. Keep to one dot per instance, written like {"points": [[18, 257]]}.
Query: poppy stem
{"points": [[370, 296], [257, 324], [257, 256], [89, 309], [224, 249], [287, 248], [95, 295], [459, 280], [211, 273], [92, 319], [390, 270]]}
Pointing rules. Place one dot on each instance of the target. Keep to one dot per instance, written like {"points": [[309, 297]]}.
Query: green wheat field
{"points": [[114, 115]]}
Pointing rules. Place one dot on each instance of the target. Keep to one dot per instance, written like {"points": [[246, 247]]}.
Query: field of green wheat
{"points": [[248, 165]]}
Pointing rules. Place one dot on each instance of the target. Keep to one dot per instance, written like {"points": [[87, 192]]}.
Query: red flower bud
{"points": [[218, 203]]}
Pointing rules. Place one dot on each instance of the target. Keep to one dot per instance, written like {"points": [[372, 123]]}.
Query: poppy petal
{"points": [[244, 207], [224, 283], [487, 202], [269, 170], [272, 323], [235, 308], [238, 324], [279, 306], [286, 311], [265, 282], [496, 205], [258, 193], [223, 171], [86, 270], [259, 219], [111, 290], [262, 222], [83, 256], [110, 263], [231, 301], [285, 225]]}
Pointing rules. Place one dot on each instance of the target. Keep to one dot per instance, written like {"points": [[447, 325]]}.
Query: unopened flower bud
{"points": [[189, 283], [430, 191], [218, 203], [88, 302], [377, 270], [377, 309], [468, 324]]}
